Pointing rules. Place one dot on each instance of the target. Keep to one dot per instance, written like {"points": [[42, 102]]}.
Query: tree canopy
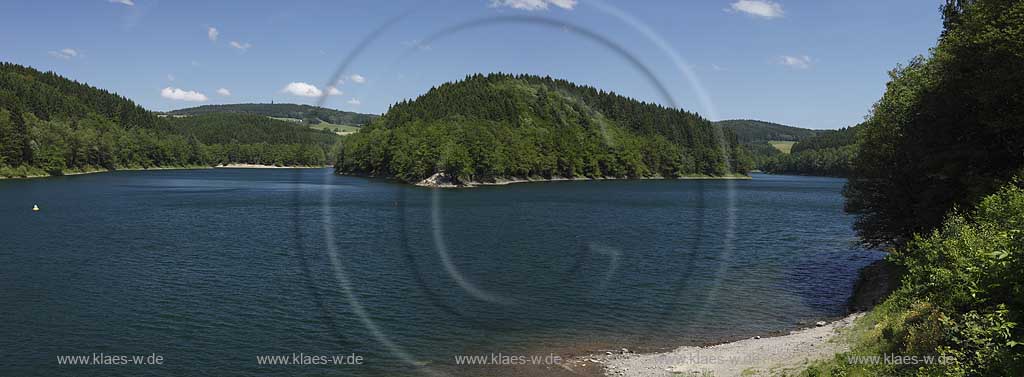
{"points": [[750, 131], [949, 128], [501, 125], [306, 113], [829, 153], [52, 125]]}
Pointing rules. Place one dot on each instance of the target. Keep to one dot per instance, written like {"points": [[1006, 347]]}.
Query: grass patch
{"points": [[782, 146], [867, 338], [749, 372], [340, 129]]}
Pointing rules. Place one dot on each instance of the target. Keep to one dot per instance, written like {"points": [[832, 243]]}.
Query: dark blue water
{"points": [[211, 268]]}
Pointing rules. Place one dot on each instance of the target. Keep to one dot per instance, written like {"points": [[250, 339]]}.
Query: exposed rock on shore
{"points": [[445, 180], [875, 283], [440, 179]]}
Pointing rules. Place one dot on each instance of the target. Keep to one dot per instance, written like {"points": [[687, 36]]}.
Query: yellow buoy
{"points": [[35, 208]]}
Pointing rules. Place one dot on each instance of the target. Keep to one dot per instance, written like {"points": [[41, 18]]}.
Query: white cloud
{"points": [[66, 53], [564, 4], [130, 3], [760, 8], [240, 45], [354, 102], [798, 62], [302, 89], [358, 79], [182, 95], [717, 67], [170, 77], [533, 5], [212, 33], [224, 92]]}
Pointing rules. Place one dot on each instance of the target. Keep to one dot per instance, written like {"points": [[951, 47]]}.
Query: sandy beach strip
{"points": [[767, 356]]}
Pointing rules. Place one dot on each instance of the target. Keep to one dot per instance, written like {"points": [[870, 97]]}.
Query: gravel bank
{"points": [[768, 356]]}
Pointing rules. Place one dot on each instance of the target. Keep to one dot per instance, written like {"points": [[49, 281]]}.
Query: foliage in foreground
{"points": [[948, 130], [961, 301], [947, 134]]}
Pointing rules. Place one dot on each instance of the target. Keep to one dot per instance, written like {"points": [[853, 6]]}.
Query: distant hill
{"points": [[52, 125], [829, 139], [749, 131], [308, 114], [829, 153], [766, 141]]}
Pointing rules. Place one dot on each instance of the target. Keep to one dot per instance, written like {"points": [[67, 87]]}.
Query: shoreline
{"points": [[260, 166], [758, 355], [778, 353], [203, 167], [443, 180], [754, 356], [97, 171], [770, 355]]}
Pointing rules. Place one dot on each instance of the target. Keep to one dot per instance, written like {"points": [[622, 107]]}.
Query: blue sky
{"points": [[814, 64]]}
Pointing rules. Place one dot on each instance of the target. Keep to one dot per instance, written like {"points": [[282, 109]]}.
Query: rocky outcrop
{"points": [[439, 179], [875, 283]]}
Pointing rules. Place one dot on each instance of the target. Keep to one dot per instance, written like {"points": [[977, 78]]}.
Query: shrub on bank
{"points": [[961, 301]]}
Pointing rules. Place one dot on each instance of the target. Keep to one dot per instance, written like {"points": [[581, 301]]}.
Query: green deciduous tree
{"points": [[948, 129]]}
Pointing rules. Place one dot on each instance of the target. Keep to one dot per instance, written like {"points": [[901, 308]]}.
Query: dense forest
{"points": [[52, 125], [815, 152], [762, 153], [499, 125], [308, 114], [937, 179], [750, 131], [829, 153], [757, 136]]}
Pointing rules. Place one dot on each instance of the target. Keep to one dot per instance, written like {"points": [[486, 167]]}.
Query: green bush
{"points": [[971, 270], [961, 301]]}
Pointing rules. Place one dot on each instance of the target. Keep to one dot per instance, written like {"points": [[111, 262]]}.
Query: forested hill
{"points": [[499, 125], [53, 125], [748, 131], [308, 114], [765, 141], [829, 153]]}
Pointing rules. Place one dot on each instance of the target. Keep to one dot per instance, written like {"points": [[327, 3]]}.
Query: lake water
{"points": [[210, 269]]}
